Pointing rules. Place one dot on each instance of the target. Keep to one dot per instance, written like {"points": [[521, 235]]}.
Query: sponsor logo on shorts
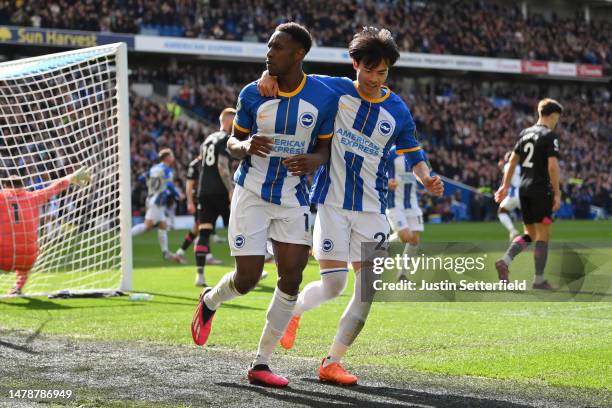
{"points": [[385, 127], [239, 241], [327, 245], [307, 120]]}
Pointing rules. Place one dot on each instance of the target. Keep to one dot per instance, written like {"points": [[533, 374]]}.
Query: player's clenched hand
{"points": [[500, 194], [556, 203], [434, 185], [392, 184], [191, 208], [302, 164], [267, 85], [258, 145]]}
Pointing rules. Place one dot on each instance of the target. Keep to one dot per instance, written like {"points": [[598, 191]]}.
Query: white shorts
{"points": [[253, 221], [154, 212], [510, 203], [399, 220], [338, 233]]}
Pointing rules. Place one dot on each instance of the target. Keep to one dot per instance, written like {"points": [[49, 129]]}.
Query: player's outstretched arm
{"points": [[434, 184], [80, 177], [501, 193]]}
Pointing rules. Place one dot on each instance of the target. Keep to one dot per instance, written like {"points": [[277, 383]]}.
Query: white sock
{"points": [[277, 319], [410, 251], [138, 229], [332, 284], [506, 221], [223, 291], [180, 251], [394, 237], [352, 321], [336, 352], [162, 237]]}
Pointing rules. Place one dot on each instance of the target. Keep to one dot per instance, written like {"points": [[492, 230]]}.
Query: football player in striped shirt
{"points": [[279, 139], [403, 211], [351, 189]]}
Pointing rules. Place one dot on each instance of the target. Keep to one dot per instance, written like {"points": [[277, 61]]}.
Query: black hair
{"points": [[298, 33], [373, 45], [549, 106]]}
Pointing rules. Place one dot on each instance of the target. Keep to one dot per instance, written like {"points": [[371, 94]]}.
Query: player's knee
{"points": [[290, 282], [334, 283], [414, 239], [244, 283], [405, 235]]}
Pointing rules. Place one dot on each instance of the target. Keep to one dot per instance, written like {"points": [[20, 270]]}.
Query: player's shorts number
{"points": [[381, 237], [210, 155]]}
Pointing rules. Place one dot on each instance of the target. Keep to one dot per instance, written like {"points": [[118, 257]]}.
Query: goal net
{"points": [[58, 113]]}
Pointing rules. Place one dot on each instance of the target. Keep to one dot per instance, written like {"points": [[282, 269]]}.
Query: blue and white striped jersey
{"points": [[294, 121], [365, 130], [159, 184], [405, 194]]}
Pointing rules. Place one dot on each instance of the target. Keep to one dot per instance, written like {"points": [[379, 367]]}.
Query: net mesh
{"points": [[58, 114]]}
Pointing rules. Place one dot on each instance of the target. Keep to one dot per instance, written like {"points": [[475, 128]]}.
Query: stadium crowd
{"points": [[466, 129], [460, 27]]}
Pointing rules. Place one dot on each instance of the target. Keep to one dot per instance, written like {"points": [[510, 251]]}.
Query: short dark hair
{"points": [[298, 33], [373, 45], [549, 106]]}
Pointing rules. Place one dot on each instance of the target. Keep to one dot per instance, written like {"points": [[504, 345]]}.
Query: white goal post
{"points": [[58, 113]]}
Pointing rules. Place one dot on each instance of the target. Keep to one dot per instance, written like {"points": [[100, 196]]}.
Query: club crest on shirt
{"points": [[307, 120], [385, 128]]}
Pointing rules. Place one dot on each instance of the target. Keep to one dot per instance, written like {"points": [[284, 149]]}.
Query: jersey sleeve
{"points": [[42, 196], [326, 130], [391, 163], [244, 118], [169, 176], [406, 143], [553, 145], [191, 170], [336, 84]]}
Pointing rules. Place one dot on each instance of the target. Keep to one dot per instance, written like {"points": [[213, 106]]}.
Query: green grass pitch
{"points": [[564, 344]]}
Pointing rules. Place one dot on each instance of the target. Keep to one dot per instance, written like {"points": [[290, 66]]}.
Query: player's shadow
{"points": [[36, 304], [194, 301], [408, 396], [263, 289], [350, 398]]}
